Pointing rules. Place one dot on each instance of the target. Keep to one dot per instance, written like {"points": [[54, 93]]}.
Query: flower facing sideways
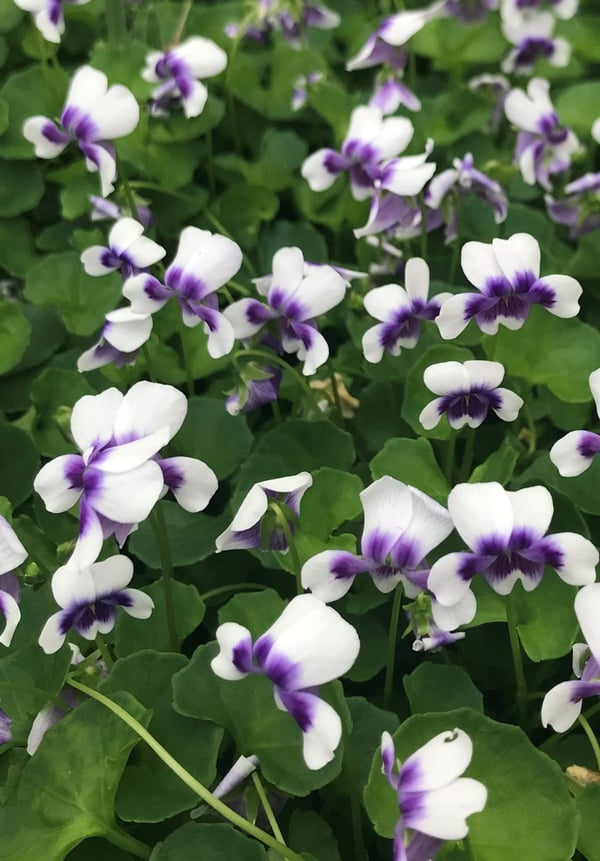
{"points": [[574, 453], [433, 799], [121, 337], [128, 251], [48, 16], [507, 274], [89, 598], [12, 554], [310, 644], [562, 704], [466, 392], [94, 114]]}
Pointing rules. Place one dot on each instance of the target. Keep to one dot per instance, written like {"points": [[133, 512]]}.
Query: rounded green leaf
{"points": [[209, 842], [19, 464], [212, 435], [21, 187], [14, 335], [440, 688], [412, 461]]}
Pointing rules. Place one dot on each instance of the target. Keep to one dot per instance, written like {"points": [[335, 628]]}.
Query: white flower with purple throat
{"points": [[531, 33], [466, 392], [122, 336], [94, 114], [48, 16], [310, 644], [12, 554], [128, 251], [579, 209], [574, 453], [507, 274]]}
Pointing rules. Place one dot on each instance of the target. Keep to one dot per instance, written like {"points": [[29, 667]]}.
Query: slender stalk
{"points": [[289, 537], [210, 171], [276, 412], [180, 26], [128, 843], [450, 454], [231, 587], [162, 540], [116, 26], [267, 807], [557, 736], [149, 363], [127, 190], [591, 738], [184, 775], [275, 359], [517, 657], [454, 261], [423, 225], [467, 459], [336, 394], [354, 787], [391, 649], [185, 354], [104, 651]]}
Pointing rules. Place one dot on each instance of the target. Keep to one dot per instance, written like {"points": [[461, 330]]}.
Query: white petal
{"points": [[317, 575], [112, 574], [446, 809], [125, 330], [430, 415], [238, 316], [197, 485], [87, 87], [289, 483], [444, 378], [448, 618], [439, 762], [130, 496], [104, 163], [405, 180], [130, 455], [115, 114], [558, 710], [511, 404], [372, 346], [566, 457], [594, 381], [229, 637], [388, 508], [315, 356], [320, 291], [288, 269], [321, 740], [416, 278], [51, 637], [479, 263], [12, 552], [12, 617], [72, 586], [203, 57], [365, 124], [587, 610], [452, 320], [430, 523], [137, 289], [90, 539], [394, 136], [383, 302], [479, 510], [520, 253], [124, 233], [580, 558], [483, 374], [148, 407], [194, 101], [532, 509], [93, 419], [314, 169], [32, 131], [141, 606], [91, 259], [221, 337], [214, 261], [55, 487], [251, 510], [568, 292]]}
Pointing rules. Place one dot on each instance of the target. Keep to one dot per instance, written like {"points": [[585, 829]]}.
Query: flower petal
{"points": [[587, 610], [567, 292], [445, 810], [454, 317], [146, 293], [561, 706], [124, 233], [481, 510], [479, 263], [382, 303], [533, 509], [320, 724], [93, 419], [130, 496], [388, 507], [191, 481], [12, 552], [115, 114], [55, 482], [438, 763], [330, 574], [517, 254], [580, 558], [12, 616], [148, 407], [235, 644]]}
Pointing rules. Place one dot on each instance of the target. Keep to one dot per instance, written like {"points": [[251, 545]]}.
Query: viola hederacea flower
{"points": [[294, 300], [447, 188], [574, 453], [309, 644], [117, 478], [390, 92], [94, 114], [507, 274], [302, 86], [579, 210], [242, 768], [259, 385], [122, 336], [89, 598], [12, 554], [531, 33], [106, 210], [467, 391], [290, 19], [544, 147], [562, 704], [257, 523], [506, 532], [6, 723], [399, 218], [178, 71], [401, 311], [128, 251], [434, 801], [470, 11], [204, 262], [48, 16], [561, 8], [498, 86], [369, 154]]}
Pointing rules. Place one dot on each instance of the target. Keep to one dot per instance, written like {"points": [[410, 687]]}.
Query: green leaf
{"points": [[588, 804], [368, 723], [14, 335], [577, 106], [27, 94], [178, 127], [21, 187], [512, 770], [149, 790], [582, 489], [552, 599], [17, 251], [47, 335], [132, 635], [82, 300], [209, 842], [412, 461], [191, 536], [558, 353], [51, 392], [288, 233], [499, 466], [440, 688], [451, 44], [310, 833], [66, 791], [242, 208], [212, 435], [332, 499], [19, 464]]}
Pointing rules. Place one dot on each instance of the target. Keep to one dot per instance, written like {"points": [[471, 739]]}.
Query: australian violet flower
{"points": [[507, 274], [310, 644], [561, 8], [122, 336], [258, 385], [294, 299], [401, 311], [433, 799], [94, 114], [466, 392], [544, 147], [48, 15], [128, 250], [506, 531], [574, 453], [257, 523], [531, 32], [562, 704], [89, 599], [291, 19], [204, 262], [12, 554], [579, 209], [369, 155], [177, 73]]}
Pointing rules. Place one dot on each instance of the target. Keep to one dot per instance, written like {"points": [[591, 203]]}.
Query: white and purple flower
{"points": [[369, 154], [506, 531], [574, 453], [507, 274], [12, 554], [94, 114], [497, 86], [433, 799], [531, 33], [122, 336], [107, 210], [561, 8], [467, 391], [562, 704], [48, 15], [544, 147], [309, 644], [89, 598], [204, 262], [129, 251], [295, 296], [579, 209], [401, 311], [257, 523], [6, 723], [178, 71], [258, 385], [291, 19]]}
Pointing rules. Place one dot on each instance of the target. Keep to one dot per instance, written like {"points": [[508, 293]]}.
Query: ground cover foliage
{"points": [[298, 491]]}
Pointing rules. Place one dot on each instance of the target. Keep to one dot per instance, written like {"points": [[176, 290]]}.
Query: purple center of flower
{"points": [[474, 404]]}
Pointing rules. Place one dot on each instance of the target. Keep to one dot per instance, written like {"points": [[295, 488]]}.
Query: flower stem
{"points": [[467, 459], [116, 27], [128, 843], [591, 738], [515, 648], [180, 26], [289, 537], [127, 190], [336, 394], [273, 357], [104, 651], [450, 455], [267, 807], [391, 650], [185, 354], [231, 587], [162, 540], [149, 363], [184, 775]]}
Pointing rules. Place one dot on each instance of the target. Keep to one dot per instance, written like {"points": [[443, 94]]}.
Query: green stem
{"points": [[532, 441], [231, 587], [423, 208], [454, 261], [149, 363], [179, 27], [128, 843], [591, 738], [116, 27], [450, 455], [275, 359], [467, 460], [210, 172], [104, 651], [285, 528], [517, 657], [185, 354], [264, 800], [336, 393], [127, 190], [201, 791], [391, 649], [162, 540]]}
